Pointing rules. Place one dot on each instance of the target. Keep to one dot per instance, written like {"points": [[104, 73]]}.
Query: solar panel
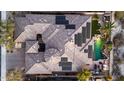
{"points": [[60, 17], [88, 30], [68, 26], [61, 20], [76, 38], [65, 65], [79, 43], [90, 51], [84, 34], [66, 68], [64, 59], [80, 38]]}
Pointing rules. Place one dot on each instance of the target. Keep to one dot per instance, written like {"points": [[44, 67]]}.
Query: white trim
{"points": [[3, 63]]}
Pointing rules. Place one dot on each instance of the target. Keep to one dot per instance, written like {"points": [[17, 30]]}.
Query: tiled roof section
{"points": [[30, 19], [47, 34], [31, 46], [31, 31], [21, 22], [51, 52], [29, 62], [31, 59], [35, 18], [62, 35], [38, 68], [71, 18]]}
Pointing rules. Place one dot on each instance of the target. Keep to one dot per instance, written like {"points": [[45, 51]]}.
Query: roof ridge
{"points": [[32, 64], [31, 46]]}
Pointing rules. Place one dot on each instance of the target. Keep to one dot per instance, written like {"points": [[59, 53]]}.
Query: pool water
{"points": [[98, 49]]}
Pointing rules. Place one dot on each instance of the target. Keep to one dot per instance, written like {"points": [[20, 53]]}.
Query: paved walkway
{"points": [[15, 59]]}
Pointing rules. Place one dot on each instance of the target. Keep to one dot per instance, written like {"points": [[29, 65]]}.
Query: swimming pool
{"points": [[98, 49]]}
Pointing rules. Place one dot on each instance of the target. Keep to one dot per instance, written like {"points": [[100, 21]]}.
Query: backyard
{"points": [[102, 33]]}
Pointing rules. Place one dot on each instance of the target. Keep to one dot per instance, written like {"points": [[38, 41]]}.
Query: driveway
{"points": [[15, 59]]}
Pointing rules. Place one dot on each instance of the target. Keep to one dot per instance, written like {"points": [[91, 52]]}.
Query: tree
{"points": [[2, 32], [108, 78], [119, 15], [95, 24], [84, 75], [118, 40], [95, 17], [121, 78], [6, 33], [106, 29], [15, 75], [105, 32]]}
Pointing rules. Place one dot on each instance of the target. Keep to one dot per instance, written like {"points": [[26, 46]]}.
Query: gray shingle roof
{"points": [[31, 59], [31, 46], [55, 36], [20, 23]]}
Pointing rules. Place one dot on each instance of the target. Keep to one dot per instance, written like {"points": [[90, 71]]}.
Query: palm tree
{"points": [[106, 29], [84, 75]]}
